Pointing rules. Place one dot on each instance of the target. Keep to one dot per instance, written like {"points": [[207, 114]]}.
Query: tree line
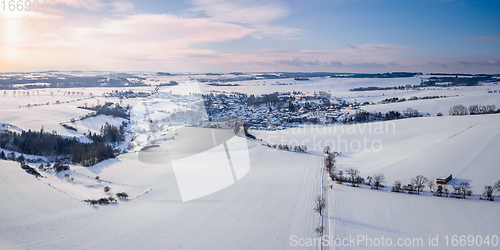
{"points": [[110, 109], [300, 149], [56, 146], [473, 110]]}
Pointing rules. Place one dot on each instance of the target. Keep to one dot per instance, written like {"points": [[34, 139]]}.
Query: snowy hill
{"points": [[408, 221], [274, 200], [401, 149]]}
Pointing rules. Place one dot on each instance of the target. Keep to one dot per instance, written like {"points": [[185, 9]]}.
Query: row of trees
{"points": [[320, 202], [364, 116], [329, 162], [416, 185], [110, 109], [300, 149], [352, 174], [107, 200], [473, 110], [101, 201], [375, 182], [460, 190]]}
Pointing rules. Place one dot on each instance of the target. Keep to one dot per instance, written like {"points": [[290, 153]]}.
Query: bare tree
{"points": [[459, 110], [463, 189], [359, 180], [488, 192], [409, 112], [419, 182], [340, 177], [320, 205], [397, 187], [431, 185], [497, 186], [353, 174], [446, 191], [466, 189], [378, 179]]}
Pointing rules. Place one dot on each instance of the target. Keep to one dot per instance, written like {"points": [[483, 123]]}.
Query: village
{"points": [[275, 111], [279, 111]]}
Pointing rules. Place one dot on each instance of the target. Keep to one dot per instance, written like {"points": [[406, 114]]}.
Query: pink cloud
{"points": [[170, 27], [47, 41]]}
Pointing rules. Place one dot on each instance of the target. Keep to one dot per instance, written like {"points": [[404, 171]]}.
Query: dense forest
{"points": [[349, 75], [65, 148], [458, 81]]}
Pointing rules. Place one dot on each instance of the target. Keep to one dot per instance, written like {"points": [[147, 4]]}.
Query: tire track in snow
{"points": [[463, 131]]}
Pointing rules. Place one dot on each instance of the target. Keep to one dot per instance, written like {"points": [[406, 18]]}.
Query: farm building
{"points": [[442, 180]]}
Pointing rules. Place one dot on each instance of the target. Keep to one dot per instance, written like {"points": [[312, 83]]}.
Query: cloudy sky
{"points": [[257, 35]]}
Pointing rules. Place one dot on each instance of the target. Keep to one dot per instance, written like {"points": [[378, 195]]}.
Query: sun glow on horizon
{"points": [[209, 35]]}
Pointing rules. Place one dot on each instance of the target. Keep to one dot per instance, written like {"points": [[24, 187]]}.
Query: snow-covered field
{"points": [[384, 220], [464, 146], [273, 201], [272, 204]]}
